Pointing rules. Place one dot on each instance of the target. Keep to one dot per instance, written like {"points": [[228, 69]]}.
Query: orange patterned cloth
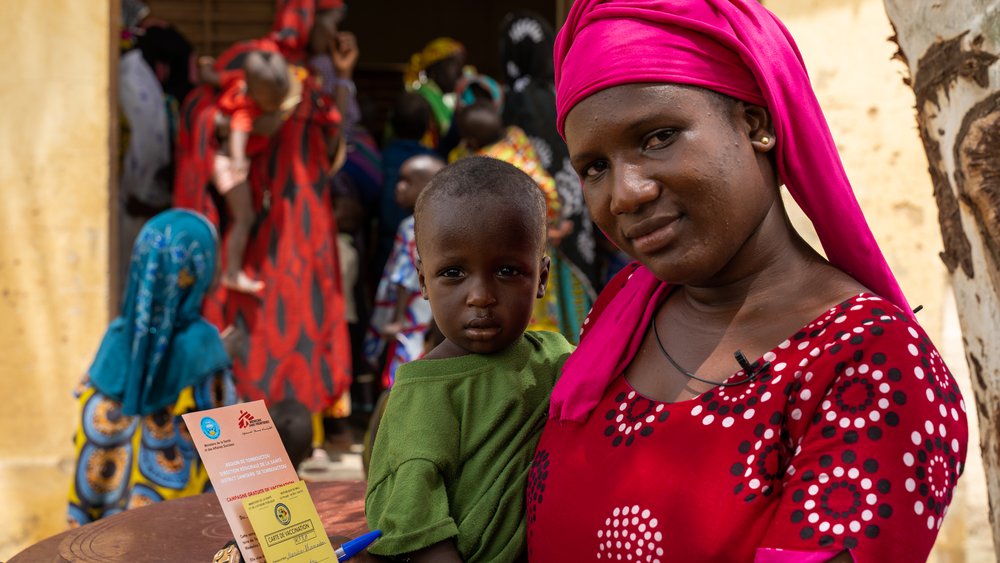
{"points": [[516, 148]]}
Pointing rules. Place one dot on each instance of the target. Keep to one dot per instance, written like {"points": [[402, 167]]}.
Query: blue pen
{"points": [[355, 546]]}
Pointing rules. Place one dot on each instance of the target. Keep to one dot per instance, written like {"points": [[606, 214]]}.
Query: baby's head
{"points": [[267, 79], [414, 175], [479, 125], [480, 233]]}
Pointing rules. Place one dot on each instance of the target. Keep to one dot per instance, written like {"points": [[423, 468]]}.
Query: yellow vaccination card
{"points": [[287, 525]]}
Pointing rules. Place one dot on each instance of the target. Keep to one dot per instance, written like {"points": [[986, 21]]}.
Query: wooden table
{"points": [[185, 530]]}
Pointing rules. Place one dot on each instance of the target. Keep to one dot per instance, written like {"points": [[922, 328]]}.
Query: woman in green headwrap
{"points": [[433, 73]]}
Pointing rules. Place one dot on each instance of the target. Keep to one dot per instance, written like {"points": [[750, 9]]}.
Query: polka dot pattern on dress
{"points": [[634, 415], [846, 499], [535, 487], [765, 464], [936, 466], [725, 406], [857, 446], [630, 533]]}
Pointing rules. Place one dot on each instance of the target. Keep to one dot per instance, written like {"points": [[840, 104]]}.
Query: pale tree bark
{"points": [[951, 47]]}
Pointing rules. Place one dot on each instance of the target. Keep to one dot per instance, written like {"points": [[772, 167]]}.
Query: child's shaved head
{"points": [[479, 183]]}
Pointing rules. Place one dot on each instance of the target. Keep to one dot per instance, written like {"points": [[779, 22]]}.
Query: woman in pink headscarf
{"points": [[736, 396]]}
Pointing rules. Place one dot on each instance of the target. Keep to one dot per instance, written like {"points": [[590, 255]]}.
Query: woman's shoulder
{"points": [[866, 335]]}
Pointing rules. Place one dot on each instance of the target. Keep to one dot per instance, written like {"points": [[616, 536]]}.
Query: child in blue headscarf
{"points": [[159, 359]]}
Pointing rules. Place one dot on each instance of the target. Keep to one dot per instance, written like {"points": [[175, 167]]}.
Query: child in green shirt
{"points": [[456, 441]]}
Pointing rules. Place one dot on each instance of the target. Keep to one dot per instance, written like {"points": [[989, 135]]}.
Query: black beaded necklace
{"points": [[752, 373]]}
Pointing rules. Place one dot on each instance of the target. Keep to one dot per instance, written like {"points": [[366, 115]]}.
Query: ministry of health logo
{"points": [[210, 428]]}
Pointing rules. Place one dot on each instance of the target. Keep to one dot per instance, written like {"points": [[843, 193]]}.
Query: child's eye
{"points": [[451, 273], [508, 271], [658, 139]]}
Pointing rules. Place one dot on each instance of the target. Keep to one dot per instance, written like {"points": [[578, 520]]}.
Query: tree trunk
{"points": [[950, 48]]}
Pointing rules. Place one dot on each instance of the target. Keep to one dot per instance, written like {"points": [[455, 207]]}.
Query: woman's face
{"points": [[446, 72], [676, 176]]}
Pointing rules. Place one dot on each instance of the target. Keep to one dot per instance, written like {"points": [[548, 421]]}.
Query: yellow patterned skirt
{"points": [[125, 462]]}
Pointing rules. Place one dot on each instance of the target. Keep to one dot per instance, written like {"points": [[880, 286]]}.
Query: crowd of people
{"points": [[317, 293], [729, 395]]}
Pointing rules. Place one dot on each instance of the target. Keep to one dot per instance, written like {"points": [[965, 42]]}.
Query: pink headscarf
{"points": [[737, 48]]}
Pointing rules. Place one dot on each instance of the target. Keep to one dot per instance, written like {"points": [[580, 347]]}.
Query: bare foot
{"points": [[242, 283]]}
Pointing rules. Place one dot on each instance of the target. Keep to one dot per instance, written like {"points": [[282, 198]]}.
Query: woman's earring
{"points": [[765, 140]]}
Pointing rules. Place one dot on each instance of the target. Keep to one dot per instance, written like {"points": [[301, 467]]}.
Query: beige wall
{"points": [[54, 162], [870, 111]]}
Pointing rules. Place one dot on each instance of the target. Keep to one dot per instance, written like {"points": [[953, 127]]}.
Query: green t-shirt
{"points": [[454, 448]]}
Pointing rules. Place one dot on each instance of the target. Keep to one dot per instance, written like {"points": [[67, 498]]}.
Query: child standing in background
{"points": [[408, 122], [452, 454], [401, 316]]}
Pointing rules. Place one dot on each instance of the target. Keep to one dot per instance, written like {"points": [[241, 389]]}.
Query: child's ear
{"points": [[543, 276], [420, 275]]}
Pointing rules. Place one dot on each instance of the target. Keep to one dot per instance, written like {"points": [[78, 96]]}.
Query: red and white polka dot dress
{"points": [[853, 439]]}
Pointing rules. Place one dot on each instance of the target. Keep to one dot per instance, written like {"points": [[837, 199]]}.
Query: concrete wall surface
{"points": [[54, 165]]}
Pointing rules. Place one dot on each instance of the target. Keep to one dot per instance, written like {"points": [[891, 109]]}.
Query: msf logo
{"points": [[245, 419]]}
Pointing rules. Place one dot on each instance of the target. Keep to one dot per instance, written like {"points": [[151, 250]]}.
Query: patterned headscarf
{"points": [[435, 51], [472, 87], [737, 48], [160, 343]]}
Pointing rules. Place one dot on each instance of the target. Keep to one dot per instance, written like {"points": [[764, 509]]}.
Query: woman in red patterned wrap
{"points": [[836, 433], [296, 334]]}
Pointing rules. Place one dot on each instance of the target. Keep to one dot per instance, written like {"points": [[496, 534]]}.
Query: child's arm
{"points": [[402, 300]]}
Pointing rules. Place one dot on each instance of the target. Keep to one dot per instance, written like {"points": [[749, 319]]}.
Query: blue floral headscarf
{"points": [[160, 343]]}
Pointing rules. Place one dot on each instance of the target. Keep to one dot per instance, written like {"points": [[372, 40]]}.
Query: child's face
{"points": [[414, 175], [482, 270]]}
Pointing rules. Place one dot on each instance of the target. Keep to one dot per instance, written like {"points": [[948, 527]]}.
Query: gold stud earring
{"points": [[765, 140]]}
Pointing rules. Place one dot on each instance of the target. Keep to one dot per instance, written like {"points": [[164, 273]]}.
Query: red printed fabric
{"points": [[240, 107], [853, 439], [195, 151], [298, 340]]}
